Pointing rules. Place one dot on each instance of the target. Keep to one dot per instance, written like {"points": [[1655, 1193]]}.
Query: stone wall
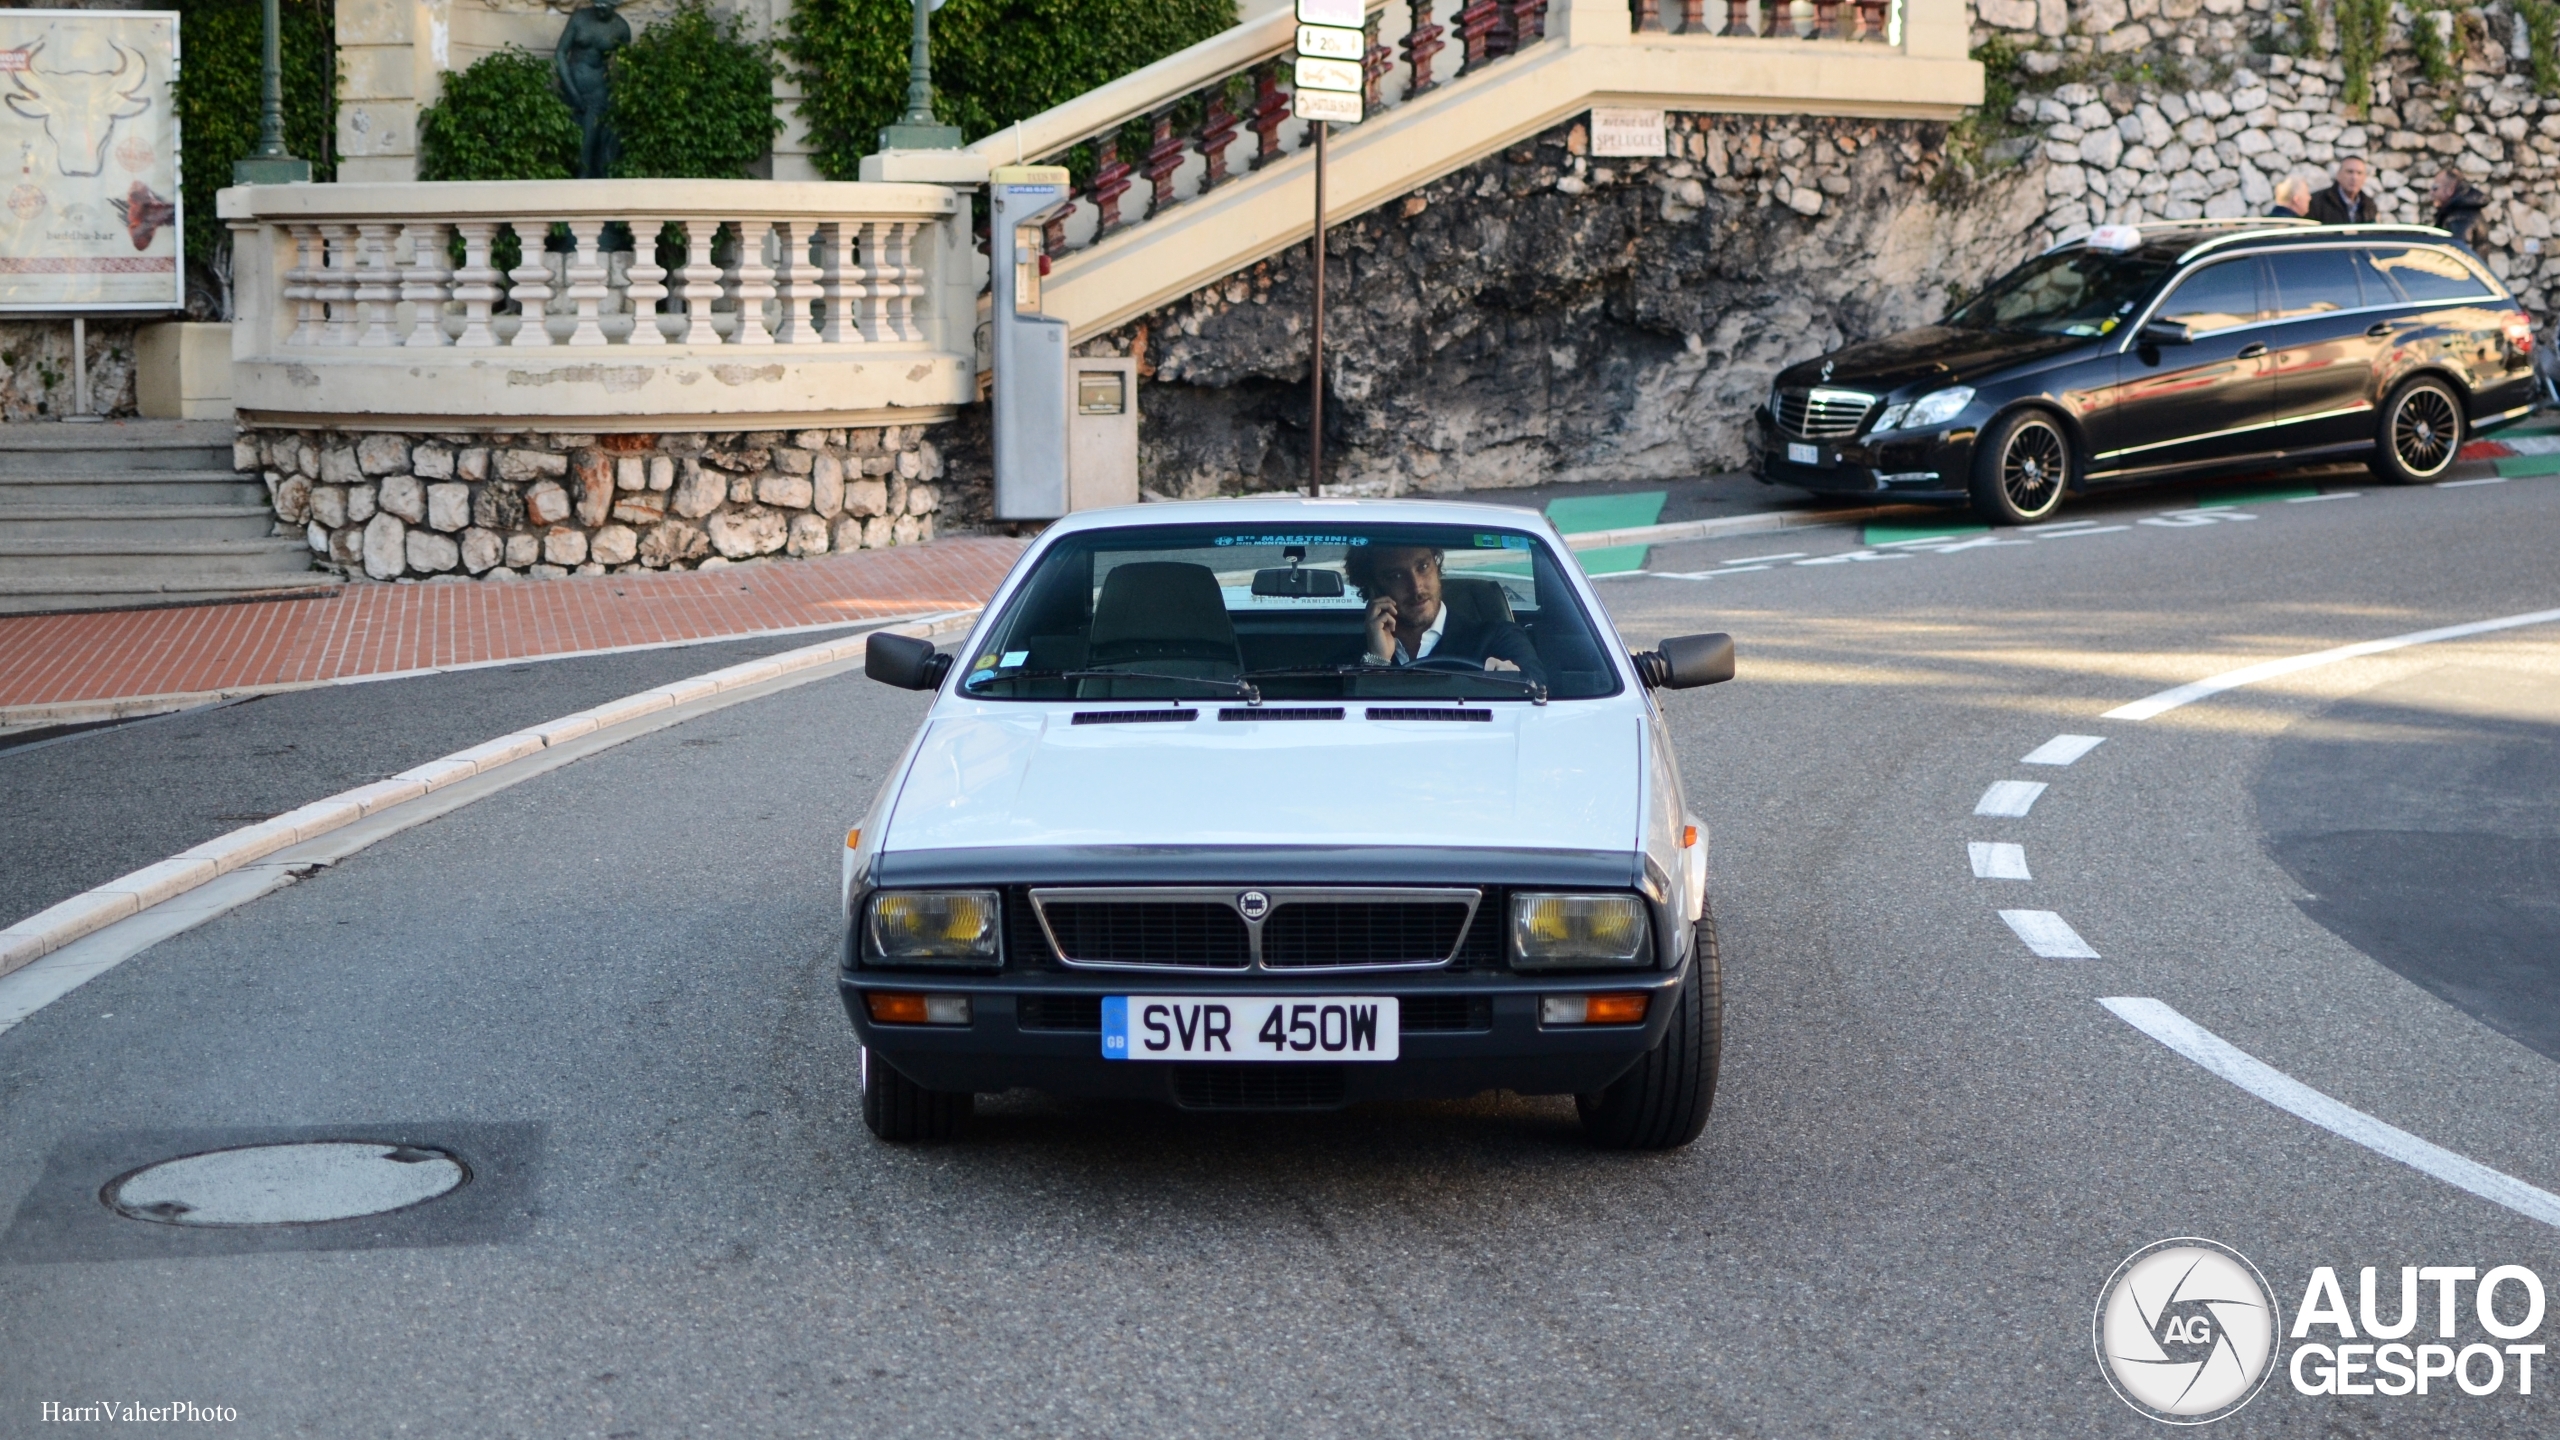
{"points": [[1547, 315], [389, 506], [35, 368]]}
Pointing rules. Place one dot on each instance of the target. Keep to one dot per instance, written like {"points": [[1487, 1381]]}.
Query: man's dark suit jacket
{"points": [[2331, 208]]}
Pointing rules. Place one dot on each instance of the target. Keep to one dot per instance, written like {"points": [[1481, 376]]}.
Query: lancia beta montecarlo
{"points": [[1284, 805]]}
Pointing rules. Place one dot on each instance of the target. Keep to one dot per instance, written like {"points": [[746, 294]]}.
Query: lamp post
{"points": [[269, 164], [917, 129]]}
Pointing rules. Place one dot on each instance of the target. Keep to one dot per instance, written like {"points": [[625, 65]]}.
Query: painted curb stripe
{"points": [[2009, 797], [84, 914], [2220, 1056], [2170, 699], [2048, 934]]}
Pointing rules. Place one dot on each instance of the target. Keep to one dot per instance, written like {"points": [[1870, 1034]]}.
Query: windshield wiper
{"points": [[1252, 694], [1535, 689]]}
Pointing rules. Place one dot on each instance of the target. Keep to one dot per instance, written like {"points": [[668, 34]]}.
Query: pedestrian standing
{"points": [[2345, 201], [2293, 199], [2458, 207]]}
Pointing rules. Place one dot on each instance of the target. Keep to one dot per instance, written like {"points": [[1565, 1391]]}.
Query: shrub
{"points": [[2542, 42], [499, 120], [693, 98], [994, 61], [218, 102]]}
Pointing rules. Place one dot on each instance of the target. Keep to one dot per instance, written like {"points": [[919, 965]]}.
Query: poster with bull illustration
{"points": [[89, 161]]}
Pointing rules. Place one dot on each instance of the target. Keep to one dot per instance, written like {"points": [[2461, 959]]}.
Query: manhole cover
{"points": [[286, 1184]]}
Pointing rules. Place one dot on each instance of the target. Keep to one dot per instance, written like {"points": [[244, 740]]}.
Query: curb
{"points": [[1801, 519], [87, 913]]}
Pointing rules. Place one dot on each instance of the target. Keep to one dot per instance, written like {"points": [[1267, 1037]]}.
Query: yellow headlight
{"points": [[1559, 930], [934, 925]]}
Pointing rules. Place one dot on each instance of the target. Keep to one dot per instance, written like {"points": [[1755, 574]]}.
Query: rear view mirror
{"points": [[1293, 583], [1685, 662], [904, 661], [2167, 332]]}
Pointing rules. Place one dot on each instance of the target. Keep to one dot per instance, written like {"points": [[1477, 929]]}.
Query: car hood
{"points": [[1934, 353], [1563, 776]]}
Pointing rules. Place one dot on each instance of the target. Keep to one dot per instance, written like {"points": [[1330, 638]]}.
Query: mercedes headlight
{"points": [[935, 927], [1935, 408], [1560, 931]]}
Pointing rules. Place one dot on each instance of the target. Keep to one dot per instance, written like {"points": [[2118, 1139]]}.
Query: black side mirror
{"points": [[1685, 662], [1293, 583], [2167, 332], [904, 661]]}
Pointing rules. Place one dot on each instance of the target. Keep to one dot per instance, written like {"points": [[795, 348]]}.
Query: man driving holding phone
{"points": [[1412, 617]]}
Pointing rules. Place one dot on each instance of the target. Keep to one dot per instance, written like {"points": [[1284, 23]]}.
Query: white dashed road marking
{"points": [[2009, 797], [2170, 699], [1998, 860], [2076, 534], [2062, 749], [2049, 935], [2459, 484], [2220, 1056], [2331, 495]]}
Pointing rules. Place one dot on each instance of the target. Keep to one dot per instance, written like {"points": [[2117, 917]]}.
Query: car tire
{"points": [[899, 1110], [2021, 467], [1663, 1102], [2420, 435]]}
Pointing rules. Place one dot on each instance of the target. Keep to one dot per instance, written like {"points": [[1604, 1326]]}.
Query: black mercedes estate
{"points": [[2182, 349]]}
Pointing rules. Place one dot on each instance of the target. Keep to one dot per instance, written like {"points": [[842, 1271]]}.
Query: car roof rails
{"points": [[2377, 230]]}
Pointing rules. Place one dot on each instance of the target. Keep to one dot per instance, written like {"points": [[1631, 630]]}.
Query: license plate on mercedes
{"points": [[1297, 1027]]}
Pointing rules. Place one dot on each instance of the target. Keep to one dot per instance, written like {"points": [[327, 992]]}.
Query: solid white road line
{"points": [[2075, 534], [2332, 495], [2459, 484], [2170, 699], [1756, 559], [2049, 935], [1998, 860], [2062, 749], [2009, 797], [2220, 1056]]}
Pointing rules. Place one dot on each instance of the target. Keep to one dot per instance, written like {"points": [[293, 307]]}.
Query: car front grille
{"points": [[1823, 414], [1058, 1012], [1189, 934], [1310, 934], [1258, 1087], [1422, 1014]]}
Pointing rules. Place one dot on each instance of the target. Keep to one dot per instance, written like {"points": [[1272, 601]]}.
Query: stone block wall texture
{"points": [[35, 368], [498, 507], [1546, 315]]}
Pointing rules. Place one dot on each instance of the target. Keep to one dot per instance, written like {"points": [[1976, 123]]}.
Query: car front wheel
{"points": [[2421, 433], [1662, 1104], [898, 1109], [2021, 466]]}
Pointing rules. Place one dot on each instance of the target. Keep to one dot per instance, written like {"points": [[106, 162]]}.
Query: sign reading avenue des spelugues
{"points": [[1332, 35]]}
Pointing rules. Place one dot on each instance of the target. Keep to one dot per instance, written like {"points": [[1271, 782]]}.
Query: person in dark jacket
{"points": [[1416, 614], [2293, 199], [2346, 203], [2458, 208]]}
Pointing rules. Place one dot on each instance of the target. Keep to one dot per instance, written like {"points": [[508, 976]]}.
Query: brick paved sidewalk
{"points": [[370, 629]]}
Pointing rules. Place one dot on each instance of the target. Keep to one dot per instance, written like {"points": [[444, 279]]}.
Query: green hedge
{"points": [[693, 98], [500, 119], [218, 103], [994, 61]]}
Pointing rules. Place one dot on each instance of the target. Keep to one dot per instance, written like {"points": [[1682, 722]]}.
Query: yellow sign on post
{"points": [[90, 214]]}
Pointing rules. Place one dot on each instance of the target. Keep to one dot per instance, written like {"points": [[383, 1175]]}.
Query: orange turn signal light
{"points": [[853, 838], [1626, 1009], [1688, 836], [896, 1009]]}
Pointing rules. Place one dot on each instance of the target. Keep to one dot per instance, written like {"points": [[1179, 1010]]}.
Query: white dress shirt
{"points": [[1430, 642]]}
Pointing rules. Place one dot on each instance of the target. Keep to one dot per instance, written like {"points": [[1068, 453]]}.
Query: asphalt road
{"points": [[612, 987]]}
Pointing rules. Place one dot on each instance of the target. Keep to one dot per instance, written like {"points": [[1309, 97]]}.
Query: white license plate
{"points": [[1803, 454], [1300, 1027]]}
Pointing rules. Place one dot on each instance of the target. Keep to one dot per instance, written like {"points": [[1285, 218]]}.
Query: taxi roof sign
{"points": [[2118, 238]]}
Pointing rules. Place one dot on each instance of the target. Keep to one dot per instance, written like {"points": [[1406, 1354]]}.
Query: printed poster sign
{"points": [[89, 206]]}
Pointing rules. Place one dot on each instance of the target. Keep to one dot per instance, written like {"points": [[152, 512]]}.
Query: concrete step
{"points": [[137, 522], [38, 447], [124, 564], [133, 487], [29, 596]]}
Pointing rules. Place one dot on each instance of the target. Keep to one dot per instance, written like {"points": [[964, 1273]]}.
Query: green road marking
{"points": [[2228, 498], [1893, 534], [1615, 560], [1582, 514], [2524, 465], [2538, 425]]}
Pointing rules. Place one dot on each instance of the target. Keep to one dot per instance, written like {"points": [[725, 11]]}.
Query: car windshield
{"points": [[1294, 612], [2073, 292]]}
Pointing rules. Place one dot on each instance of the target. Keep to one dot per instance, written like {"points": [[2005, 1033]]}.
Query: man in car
{"points": [[2345, 202], [1416, 614]]}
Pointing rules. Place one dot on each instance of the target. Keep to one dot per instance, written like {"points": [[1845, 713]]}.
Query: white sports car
{"points": [[1282, 805]]}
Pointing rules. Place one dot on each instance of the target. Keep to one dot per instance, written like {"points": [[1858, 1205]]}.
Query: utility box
{"points": [[182, 371], [1103, 458], [1032, 399]]}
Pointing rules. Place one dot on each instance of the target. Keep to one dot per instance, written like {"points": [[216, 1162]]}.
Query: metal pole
{"points": [[80, 372], [919, 68], [271, 86], [1315, 362]]}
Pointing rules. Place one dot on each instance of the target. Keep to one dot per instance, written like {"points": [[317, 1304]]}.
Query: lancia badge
{"points": [[1253, 904]]}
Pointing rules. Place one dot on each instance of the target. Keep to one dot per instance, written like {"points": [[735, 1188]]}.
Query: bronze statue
{"points": [[579, 67]]}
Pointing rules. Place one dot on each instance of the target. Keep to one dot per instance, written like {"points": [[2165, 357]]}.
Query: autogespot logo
{"points": [[2186, 1331]]}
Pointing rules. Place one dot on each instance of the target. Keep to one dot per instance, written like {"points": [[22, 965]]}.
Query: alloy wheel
{"points": [[2424, 430], [2034, 466]]}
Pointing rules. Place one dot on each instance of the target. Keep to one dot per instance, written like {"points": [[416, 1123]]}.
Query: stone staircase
{"points": [[137, 512]]}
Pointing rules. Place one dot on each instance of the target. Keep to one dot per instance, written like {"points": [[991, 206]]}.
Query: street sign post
{"points": [[1330, 89]]}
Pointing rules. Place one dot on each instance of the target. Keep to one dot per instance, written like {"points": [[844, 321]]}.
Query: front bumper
{"points": [[1922, 466], [1513, 1050]]}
